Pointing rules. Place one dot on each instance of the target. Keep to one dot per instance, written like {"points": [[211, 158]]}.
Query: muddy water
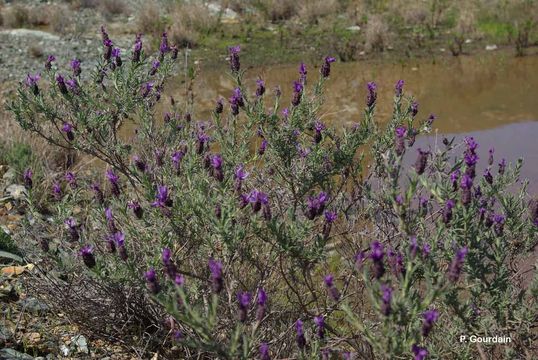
{"points": [[493, 96]]}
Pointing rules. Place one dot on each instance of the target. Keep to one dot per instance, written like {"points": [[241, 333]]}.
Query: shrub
{"points": [[278, 10], [189, 21], [264, 233], [15, 16], [112, 7], [376, 32]]}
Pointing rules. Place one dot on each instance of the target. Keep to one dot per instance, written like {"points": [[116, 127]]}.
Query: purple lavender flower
{"points": [[318, 128], [116, 54], [239, 176], [320, 324], [31, 81], [50, 60], [162, 198], [330, 218], [302, 73], [119, 239], [488, 177], [326, 67], [262, 304], [219, 106], [177, 156], [136, 208], [57, 191], [159, 157], [297, 93], [152, 282], [146, 89], [154, 67], [331, 288], [110, 220], [399, 140], [422, 161], [498, 224], [243, 300], [376, 254], [316, 205], [86, 253], [260, 89], [107, 54], [300, 338], [71, 180], [75, 66], [413, 109], [217, 281], [139, 163], [398, 88], [27, 176], [447, 211], [263, 147], [216, 165], [164, 47], [426, 249], [420, 352], [60, 81], [502, 166], [202, 140], [372, 94], [264, 352], [114, 180], [137, 48], [490, 159], [169, 266], [454, 176], [454, 270], [466, 186], [386, 298], [72, 228], [72, 85], [236, 101], [235, 64], [429, 319], [179, 280], [67, 128], [257, 198]]}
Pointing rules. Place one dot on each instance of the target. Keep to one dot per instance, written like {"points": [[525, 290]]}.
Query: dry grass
{"points": [[279, 10], [149, 19], [15, 16], [189, 21], [61, 19], [111, 8], [376, 33], [311, 11]]}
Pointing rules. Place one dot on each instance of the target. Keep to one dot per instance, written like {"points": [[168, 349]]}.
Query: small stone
{"points": [[354, 28], [11, 354], [491, 47], [468, 41], [81, 344], [16, 191], [65, 350], [34, 306]]}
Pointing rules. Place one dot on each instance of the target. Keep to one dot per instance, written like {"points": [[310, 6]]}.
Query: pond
{"points": [[492, 96]]}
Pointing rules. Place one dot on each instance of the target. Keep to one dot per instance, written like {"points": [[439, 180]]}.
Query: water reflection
{"points": [[513, 141]]}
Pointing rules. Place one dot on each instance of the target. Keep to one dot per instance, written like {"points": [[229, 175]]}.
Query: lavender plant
{"points": [[266, 233]]}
